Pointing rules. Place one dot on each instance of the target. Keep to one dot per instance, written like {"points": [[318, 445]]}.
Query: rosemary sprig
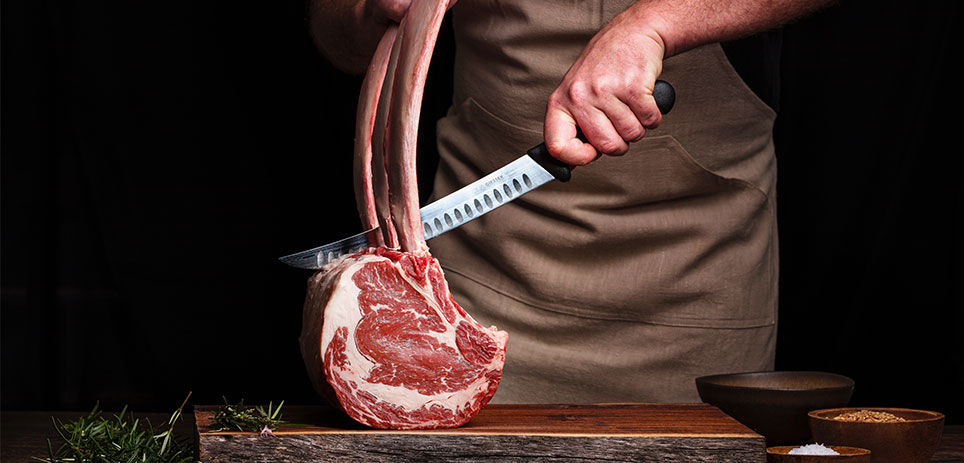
{"points": [[98, 439], [237, 417]]}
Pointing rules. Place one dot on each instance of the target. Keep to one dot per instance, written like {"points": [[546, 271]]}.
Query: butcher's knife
{"points": [[480, 197]]}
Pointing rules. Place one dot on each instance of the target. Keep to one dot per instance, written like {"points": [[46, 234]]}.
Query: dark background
{"points": [[157, 157]]}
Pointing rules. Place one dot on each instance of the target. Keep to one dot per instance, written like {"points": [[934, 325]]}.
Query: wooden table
{"points": [[24, 434]]}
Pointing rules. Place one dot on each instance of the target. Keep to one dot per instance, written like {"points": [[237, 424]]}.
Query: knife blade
{"points": [[467, 203], [502, 186]]}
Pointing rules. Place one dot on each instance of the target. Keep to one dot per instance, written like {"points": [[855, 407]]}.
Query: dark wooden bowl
{"points": [[847, 454], [775, 403], [908, 441]]}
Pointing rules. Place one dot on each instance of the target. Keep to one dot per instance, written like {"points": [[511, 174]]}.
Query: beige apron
{"points": [[643, 272]]}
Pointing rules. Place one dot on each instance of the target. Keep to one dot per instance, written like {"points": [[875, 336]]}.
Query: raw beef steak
{"points": [[395, 350]]}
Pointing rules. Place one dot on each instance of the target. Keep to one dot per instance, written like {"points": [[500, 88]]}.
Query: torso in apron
{"points": [[645, 270]]}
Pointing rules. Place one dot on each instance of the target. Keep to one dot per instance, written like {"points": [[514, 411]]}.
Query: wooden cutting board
{"points": [[502, 433]]}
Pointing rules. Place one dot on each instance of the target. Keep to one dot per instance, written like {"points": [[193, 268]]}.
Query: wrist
{"points": [[651, 24]]}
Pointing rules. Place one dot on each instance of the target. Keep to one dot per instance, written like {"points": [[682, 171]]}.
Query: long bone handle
{"points": [[415, 46], [364, 124]]}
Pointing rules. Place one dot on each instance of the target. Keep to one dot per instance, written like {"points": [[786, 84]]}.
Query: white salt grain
{"points": [[812, 449]]}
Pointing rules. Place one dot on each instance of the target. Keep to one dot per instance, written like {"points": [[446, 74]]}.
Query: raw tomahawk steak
{"points": [[382, 336]]}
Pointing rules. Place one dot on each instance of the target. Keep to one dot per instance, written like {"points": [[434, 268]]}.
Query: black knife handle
{"points": [[663, 93], [665, 96], [560, 170]]}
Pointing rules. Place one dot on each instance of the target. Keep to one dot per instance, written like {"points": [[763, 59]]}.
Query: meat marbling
{"points": [[395, 350], [382, 336]]}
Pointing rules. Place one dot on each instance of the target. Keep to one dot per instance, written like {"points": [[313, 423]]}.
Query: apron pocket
{"points": [[649, 237]]}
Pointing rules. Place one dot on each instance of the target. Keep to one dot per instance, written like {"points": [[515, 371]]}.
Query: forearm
{"points": [[685, 24], [345, 32]]}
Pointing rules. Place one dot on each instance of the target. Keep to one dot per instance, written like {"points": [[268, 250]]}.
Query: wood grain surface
{"points": [[24, 435], [558, 433]]}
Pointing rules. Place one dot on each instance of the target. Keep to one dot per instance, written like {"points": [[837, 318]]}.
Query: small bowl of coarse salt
{"points": [[816, 453]]}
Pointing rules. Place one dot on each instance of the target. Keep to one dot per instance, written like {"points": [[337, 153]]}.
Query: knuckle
{"points": [[634, 133], [608, 147], [556, 98], [652, 119], [601, 86], [634, 92], [617, 151], [399, 7], [555, 147], [579, 92], [394, 9]]}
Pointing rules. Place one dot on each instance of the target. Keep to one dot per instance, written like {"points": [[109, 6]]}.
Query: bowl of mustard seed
{"points": [[898, 435]]}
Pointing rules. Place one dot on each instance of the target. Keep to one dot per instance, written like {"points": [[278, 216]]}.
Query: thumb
{"points": [[560, 134]]}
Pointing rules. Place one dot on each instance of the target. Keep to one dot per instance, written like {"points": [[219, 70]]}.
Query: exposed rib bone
{"points": [[416, 43], [364, 123], [380, 176]]}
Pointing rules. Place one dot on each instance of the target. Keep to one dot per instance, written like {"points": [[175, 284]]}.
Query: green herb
{"points": [[237, 417], [98, 439]]}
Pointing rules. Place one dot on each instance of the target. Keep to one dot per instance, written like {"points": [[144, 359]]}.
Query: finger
{"points": [[643, 105], [561, 141], [623, 119], [600, 132], [393, 10]]}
